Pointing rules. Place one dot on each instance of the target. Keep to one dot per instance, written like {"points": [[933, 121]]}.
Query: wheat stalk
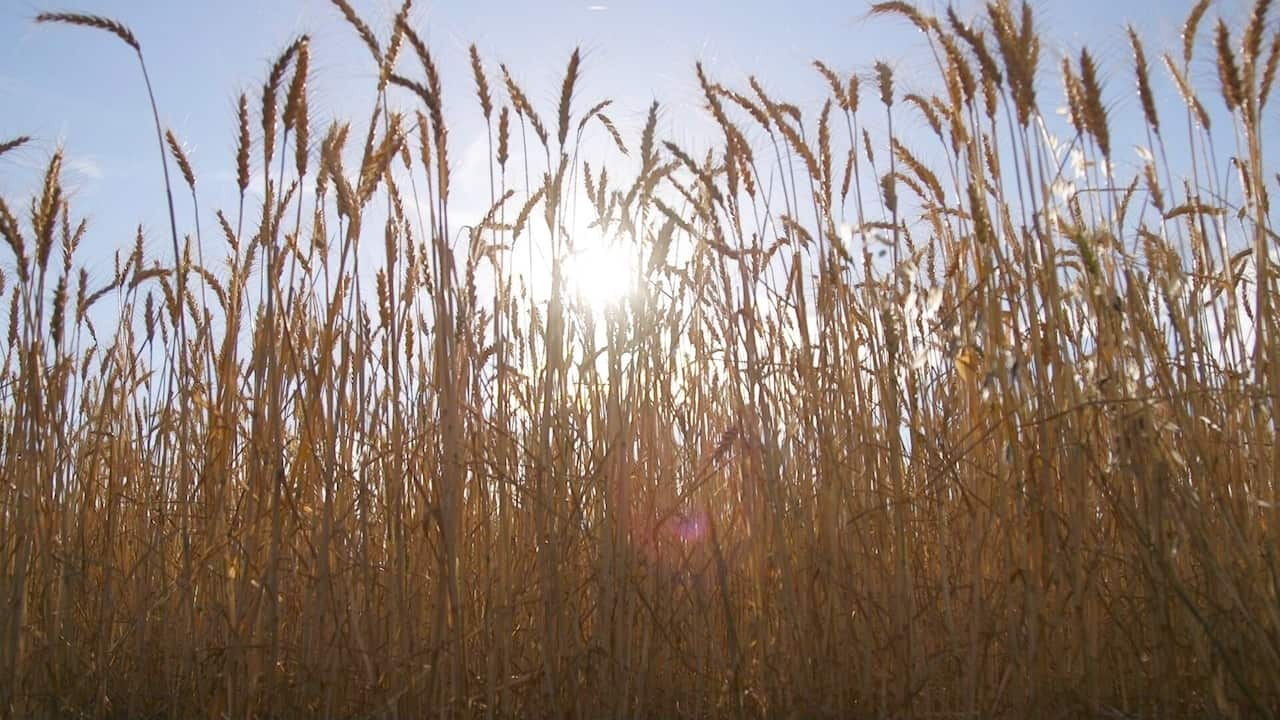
{"points": [[1228, 72], [362, 29], [14, 144], [93, 21], [482, 84], [1189, 28], [184, 165], [566, 94], [1145, 96]]}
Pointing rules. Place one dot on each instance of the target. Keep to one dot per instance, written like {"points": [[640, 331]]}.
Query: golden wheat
{"points": [[991, 434]]}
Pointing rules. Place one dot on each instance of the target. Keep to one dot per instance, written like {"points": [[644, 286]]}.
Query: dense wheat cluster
{"points": [[994, 437]]}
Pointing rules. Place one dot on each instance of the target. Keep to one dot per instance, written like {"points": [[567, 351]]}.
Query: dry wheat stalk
{"points": [[482, 83], [366, 35], [1228, 72], [1188, 96], [243, 142], [1269, 71], [504, 131], [93, 21], [837, 86], [184, 165], [1252, 40], [522, 105], [884, 79], [1189, 28], [1145, 95], [906, 10], [1095, 115], [566, 93], [296, 113], [14, 144]]}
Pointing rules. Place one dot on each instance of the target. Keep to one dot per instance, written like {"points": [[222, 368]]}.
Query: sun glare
{"points": [[600, 272]]}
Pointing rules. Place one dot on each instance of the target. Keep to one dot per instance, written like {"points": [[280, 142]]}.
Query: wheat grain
{"points": [[613, 132], [1228, 71], [1189, 28], [990, 70], [1269, 71], [837, 86], [503, 136], [269, 92], [242, 146], [184, 165], [906, 10], [752, 109], [93, 21], [1145, 96], [566, 93], [44, 219], [297, 113], [295, 99], [14, 144], [1188, 96], [884, 78], [522, 105], [482, 84], [1095, 115], [14, 238], [366, 35], [526, 210], [927, 110], [921, 171], [1252, 40]]}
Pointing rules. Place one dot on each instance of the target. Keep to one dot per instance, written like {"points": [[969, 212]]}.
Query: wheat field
{"points": [[992, 435]]}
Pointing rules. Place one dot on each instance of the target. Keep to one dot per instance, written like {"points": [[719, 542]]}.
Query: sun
{"points": [[600, 272]]}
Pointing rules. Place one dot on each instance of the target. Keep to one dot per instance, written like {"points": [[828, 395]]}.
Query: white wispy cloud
{"points": [[87, 168]]}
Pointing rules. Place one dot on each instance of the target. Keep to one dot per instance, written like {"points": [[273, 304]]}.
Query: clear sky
{"points": [[81, 89]]}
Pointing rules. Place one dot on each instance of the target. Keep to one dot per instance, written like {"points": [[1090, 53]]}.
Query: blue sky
{"points": [[81, 89]]}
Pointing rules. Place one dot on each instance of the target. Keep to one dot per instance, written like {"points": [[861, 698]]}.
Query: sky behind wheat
{"points": [[81, 89]]}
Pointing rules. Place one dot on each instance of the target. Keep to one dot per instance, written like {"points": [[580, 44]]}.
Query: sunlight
{"points": [[600, 272]]}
